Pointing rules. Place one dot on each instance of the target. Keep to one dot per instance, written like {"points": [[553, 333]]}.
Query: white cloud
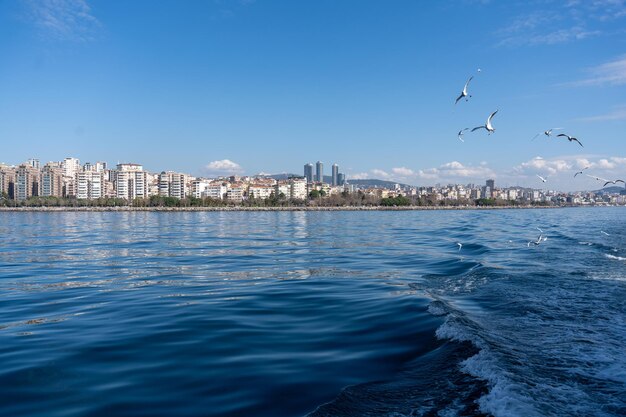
{"points": [[223, 167], [448, 172], [403, 172], [618, 113], [558, 22], [380, 173], [63, 19], [455, 169], [359, 176], [539, 165], [609, 73]]}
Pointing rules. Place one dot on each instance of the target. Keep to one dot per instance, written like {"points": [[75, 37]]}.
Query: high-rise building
{"points": [[172, 184], [131, 181], [70, 167], [90, 185], [491, 184], [319, 171], [26, 182], [308, 172], [335, 181], [51, 181], [489, 187], [7, 181], [341, 179]]}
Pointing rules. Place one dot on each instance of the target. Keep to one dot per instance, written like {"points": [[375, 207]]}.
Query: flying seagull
{"points": [[540, 231], [460, 245], [542, 178], [604, 233], [460, 134], [540, 239], [613, 182], [548, 132], [464, 92], [570, 138], [487, 126], [597, 178], [581, 171]]}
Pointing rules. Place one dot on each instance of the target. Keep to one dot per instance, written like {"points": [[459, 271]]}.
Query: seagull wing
{"points": [[564, 135], [577, 173], [479, 127], [467, 84], [576, 140], [538, 134], [458, 98], [622, 181], [607, 183], [491, 117]]}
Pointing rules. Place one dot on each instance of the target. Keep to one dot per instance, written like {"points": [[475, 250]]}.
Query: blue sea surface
{"points": [[313, 313]]}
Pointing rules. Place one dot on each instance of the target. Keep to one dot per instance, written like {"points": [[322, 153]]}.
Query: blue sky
{"points": [[220, 86]]}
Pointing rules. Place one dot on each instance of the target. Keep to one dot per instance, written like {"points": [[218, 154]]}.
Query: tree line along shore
{"points": [[356, 201]]}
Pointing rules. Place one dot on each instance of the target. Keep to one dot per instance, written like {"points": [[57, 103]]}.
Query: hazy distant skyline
{"points": [[245, 86]]}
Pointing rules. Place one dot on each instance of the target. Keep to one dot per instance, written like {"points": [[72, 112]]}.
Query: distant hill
{"points": [[376, 183], [610, 190], [328, 179]]}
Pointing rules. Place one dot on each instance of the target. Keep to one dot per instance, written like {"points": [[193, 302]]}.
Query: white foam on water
{"points": [[504, 397], [437, 308], [617, 258]]}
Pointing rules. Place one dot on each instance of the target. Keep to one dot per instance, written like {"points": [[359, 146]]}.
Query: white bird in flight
{"points": [[542, 178], [548, 132], [614, 182], [464, 92], [460, 245], [540, 239], [570, 138], [460, 134], [487, 126], [597, 178], [581, 171], [604, 233]]}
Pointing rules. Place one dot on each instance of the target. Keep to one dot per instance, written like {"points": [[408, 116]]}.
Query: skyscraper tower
{"points": [[335, 175], [308, 172], [319, 171]]}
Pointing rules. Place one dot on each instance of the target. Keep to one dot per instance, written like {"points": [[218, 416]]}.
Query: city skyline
{"points": [[69, 167], [239, 87]]}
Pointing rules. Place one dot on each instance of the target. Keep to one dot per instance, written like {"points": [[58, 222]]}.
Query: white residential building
{"points": [[199, 188], [260, 191], [235, 192], [70, 167], [131, 181], [173, 184], [298, 189], [217, 191], [90, 185]]}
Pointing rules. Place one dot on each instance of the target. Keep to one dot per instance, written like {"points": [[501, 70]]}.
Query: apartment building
{"points": [[26, 182], [52, 181], [90, 185]]}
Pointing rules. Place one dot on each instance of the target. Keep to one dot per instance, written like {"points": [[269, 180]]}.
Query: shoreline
{"points": [[208, 209]]}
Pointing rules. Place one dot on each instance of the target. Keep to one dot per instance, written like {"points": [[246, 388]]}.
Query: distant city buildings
{"points": [[335, 175], [308, 172], [130, 181], [319, 171]]}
